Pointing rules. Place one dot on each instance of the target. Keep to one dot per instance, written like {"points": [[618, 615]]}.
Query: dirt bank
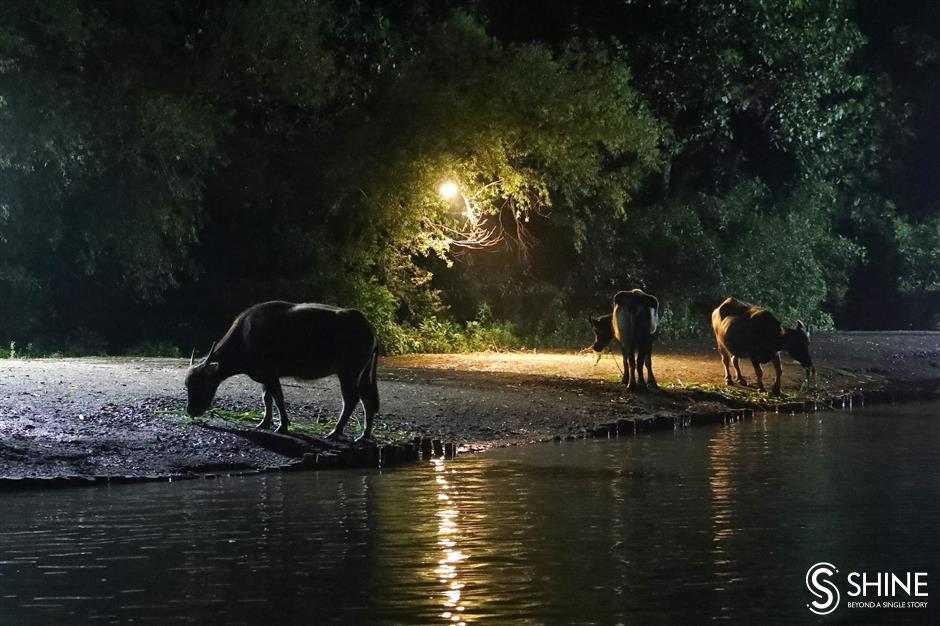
{"points": [[120, 418]]}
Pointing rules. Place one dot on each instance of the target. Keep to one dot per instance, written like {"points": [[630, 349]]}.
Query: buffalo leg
{"points": [[278, 394], [631, 369], [369, 394], [640, 361], [737, 368], [626, 365], [759, 372], [650, 379], [349, 388], [268, 400], [779, 370], [726, 361]]}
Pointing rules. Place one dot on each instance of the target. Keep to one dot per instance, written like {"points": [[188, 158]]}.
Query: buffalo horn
{"points": [[192, 358]]}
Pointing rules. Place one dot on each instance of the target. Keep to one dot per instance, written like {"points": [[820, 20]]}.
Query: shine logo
{"points": [[823, 589], [865, 590]]}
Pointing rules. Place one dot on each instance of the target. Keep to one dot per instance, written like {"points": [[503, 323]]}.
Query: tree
{"points": [[533, 134], [101, 178]]}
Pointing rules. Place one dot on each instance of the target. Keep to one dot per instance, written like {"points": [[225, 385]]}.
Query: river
{"points": [[687, 526]]}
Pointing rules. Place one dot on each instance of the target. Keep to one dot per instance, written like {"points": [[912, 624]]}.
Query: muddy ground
{"points": [[121, 417]]}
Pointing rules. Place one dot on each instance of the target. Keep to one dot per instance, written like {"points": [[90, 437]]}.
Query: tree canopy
{"points": [[165, 164]]}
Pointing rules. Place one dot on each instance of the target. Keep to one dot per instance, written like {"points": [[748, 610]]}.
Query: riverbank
{"points": [[114, 419]]}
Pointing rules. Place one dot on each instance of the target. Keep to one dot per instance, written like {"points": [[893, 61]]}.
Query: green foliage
{"points": [[163, 165], [785, 259], [755, 86], [520, 128], [434, 335], [679, 321], [430, 334], [562, 330], [918, 246], [443, 336]]}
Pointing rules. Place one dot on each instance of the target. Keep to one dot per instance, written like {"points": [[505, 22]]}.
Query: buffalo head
{"points": [[796, 342], [202, 380], [603, 331]]}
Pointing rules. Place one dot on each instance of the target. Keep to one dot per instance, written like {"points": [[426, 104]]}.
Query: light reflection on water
{"points": [[449, 541], [706, 523]]}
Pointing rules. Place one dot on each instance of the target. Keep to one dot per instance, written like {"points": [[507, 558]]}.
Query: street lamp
{"points": [[472, 233], [450, 191]]}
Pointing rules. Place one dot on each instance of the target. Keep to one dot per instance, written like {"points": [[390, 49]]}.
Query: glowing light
{"points": [[449, 190], [469, 230], [446, 570]]}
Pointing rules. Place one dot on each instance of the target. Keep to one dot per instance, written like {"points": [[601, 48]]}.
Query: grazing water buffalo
{"points": [[634, 324], [744, 330], [275, 339]]}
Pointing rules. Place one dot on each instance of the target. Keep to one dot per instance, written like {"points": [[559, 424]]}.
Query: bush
{"points": [[445, 336], [679, 321], [563, 331]]}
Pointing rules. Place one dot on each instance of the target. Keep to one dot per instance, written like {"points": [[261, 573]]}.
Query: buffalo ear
{"points": [[799, 325]]}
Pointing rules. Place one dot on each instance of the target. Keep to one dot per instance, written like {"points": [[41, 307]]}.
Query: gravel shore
{"points": [[121, 417]]}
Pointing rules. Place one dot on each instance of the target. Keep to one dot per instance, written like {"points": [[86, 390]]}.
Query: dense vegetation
{"points": [[164, 164]]}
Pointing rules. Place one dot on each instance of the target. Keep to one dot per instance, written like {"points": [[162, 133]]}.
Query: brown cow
{"points": [[745, 330]]}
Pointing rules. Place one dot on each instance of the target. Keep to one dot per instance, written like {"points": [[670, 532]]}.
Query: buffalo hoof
{"points": [[653, 385], [281, 430], [742, 382], [365, 440], [775, 392], [263, 425], [335, 435]]}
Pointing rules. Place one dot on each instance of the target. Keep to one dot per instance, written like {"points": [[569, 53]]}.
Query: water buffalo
{"points": [[275, 339], [745, 330], [634, 324]]}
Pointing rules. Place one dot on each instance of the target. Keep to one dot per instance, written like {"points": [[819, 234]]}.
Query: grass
{"points": [[735, 393], [314, 428]]}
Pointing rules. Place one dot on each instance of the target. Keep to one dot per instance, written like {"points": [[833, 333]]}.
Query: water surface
{"points": [[701, 524]]}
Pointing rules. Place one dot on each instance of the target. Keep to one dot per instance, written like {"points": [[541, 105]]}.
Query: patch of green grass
{"points": [[248, 419], [735, 393]]}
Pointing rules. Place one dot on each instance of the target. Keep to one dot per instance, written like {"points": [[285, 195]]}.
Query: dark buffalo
{"points": [[634, 324], [748, 331], [275, 339]]}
